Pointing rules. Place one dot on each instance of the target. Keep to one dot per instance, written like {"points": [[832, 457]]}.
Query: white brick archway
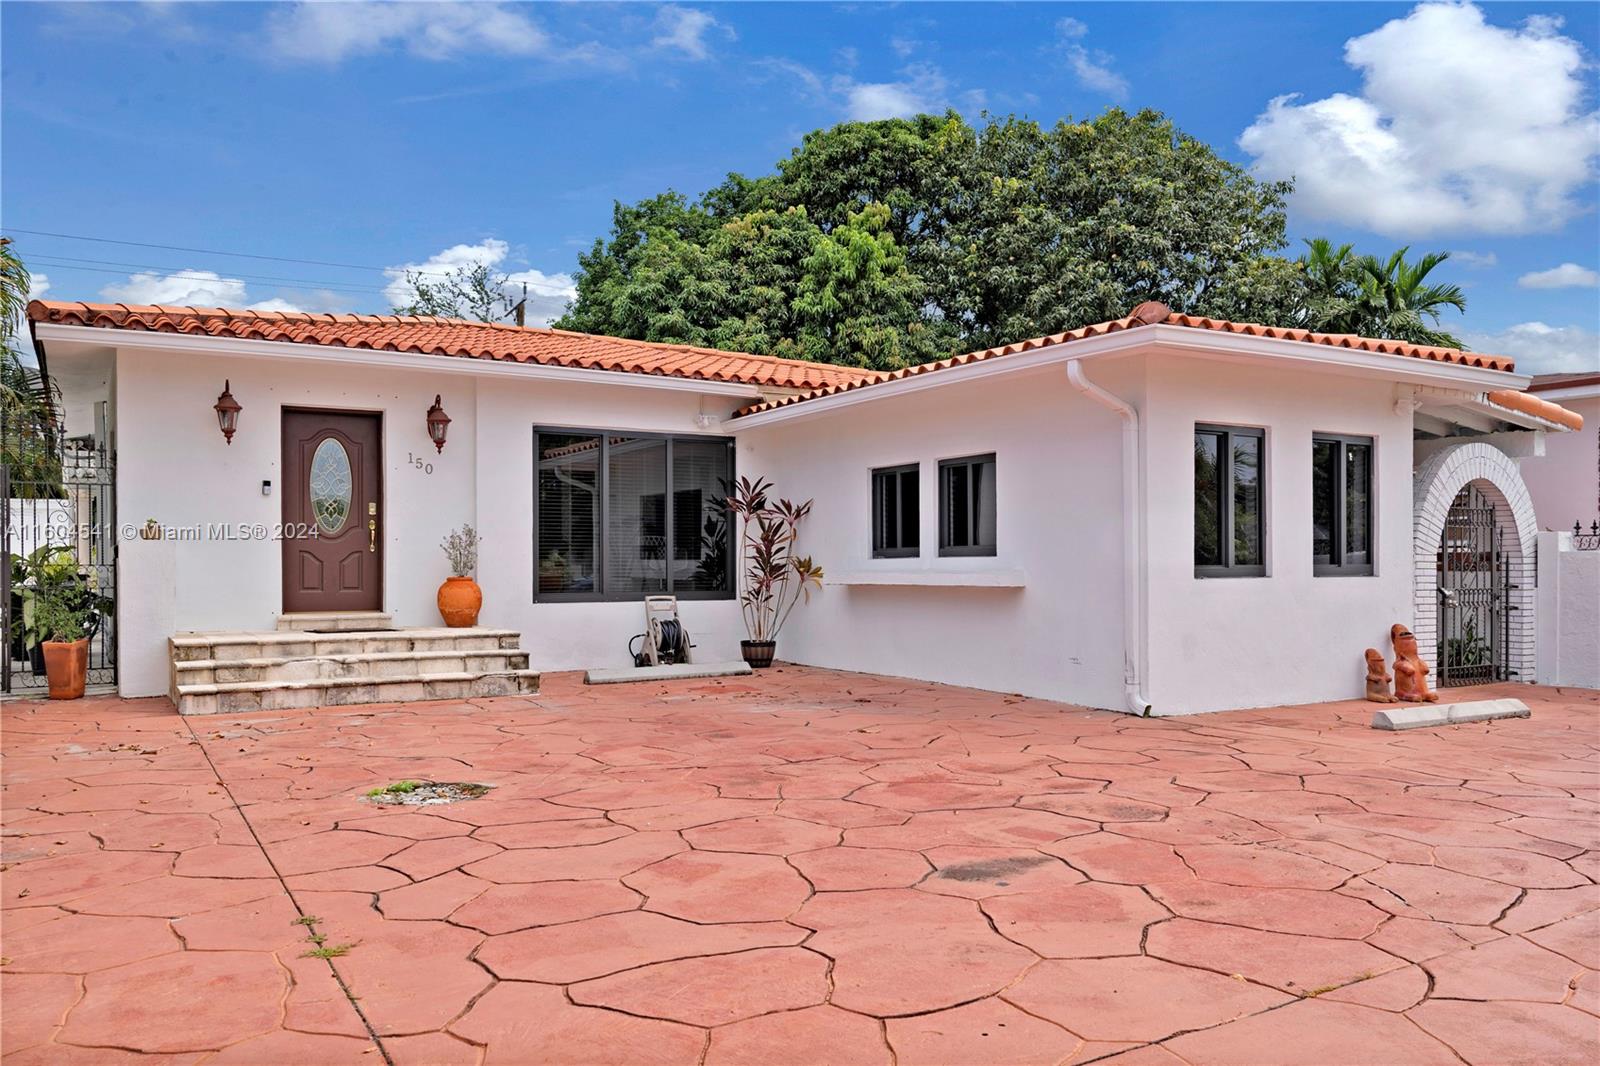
{"points": [[1435, 484]]}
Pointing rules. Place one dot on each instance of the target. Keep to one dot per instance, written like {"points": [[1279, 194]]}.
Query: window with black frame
{"points": [[1229, 501], [967, 506], [896, 514], [623, 516], [1341, 505]]}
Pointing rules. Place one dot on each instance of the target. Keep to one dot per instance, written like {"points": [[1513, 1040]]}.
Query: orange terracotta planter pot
{"points": [[67, 667], [460, 599]]}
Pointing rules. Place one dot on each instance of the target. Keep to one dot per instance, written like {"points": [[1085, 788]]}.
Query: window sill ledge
{"points": [[982, 579]]}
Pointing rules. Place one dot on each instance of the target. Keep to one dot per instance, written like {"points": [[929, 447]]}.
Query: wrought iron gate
{"points": [[1474, 614], [60, 529]]}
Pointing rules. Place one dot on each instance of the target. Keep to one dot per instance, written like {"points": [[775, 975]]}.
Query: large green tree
{"points": [[27, 402], [893, 242]]}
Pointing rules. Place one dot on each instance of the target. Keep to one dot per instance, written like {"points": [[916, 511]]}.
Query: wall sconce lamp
{"points": [[227, 409], [438, 424]]}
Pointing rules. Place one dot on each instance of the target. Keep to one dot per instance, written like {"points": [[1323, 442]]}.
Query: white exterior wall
{"points": [[174, 466], [1569, 613], [1058, 492], [1565, 481], [1289, 637]]}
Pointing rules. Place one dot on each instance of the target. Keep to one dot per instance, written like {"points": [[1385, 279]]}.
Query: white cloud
{"points": [[921, 90], [200, 288], [330, 32], [1460, 126], [548, 294], [1565, 276], [191, 288], [38, 285], [1542, 349], [1474, 260], [685, 29], [1093, 68]]}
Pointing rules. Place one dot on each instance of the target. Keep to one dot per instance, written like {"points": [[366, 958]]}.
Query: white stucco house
{"points": [[1159, 514]]}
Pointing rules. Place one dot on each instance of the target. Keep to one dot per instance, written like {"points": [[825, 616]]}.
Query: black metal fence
{"points": [[1474, 588], [60, 526]]}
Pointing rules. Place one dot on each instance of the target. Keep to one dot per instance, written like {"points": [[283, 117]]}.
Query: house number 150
{"points": [[418, 462]]}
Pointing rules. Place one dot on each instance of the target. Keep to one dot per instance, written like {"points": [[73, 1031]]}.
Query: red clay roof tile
{"points": [[1151, 313], [1529, 404], [454, 338]]}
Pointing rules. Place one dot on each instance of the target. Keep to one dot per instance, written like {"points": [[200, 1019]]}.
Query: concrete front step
{"points": [[334, 621], [295, 644], [390, 664], [239, 697]]}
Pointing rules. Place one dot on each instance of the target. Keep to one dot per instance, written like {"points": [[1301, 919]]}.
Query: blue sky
{"points": [[380, 135]]}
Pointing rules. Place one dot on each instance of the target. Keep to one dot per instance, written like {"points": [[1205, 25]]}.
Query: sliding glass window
{"points": [[624, 516], [1230, 522]]}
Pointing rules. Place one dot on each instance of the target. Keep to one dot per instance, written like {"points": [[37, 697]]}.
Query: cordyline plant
{"points": [[775, 577]]}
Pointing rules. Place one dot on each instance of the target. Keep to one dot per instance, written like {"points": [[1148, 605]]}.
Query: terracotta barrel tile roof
{"points": [[1152, 313], [423, 335], [1529, 404], [1579, 379]]}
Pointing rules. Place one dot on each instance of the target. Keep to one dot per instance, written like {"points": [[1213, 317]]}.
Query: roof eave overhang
{"points": [[423, 362], [1571, 392], [1157, 338]]}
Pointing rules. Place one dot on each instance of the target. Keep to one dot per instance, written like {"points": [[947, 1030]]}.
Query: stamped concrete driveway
{"points": [[806, 867]]}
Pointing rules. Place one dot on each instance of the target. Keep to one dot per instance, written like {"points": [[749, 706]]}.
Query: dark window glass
{"points": [[621, 517], [700, 515], [1229, 501], [895, 515], [1341, 505], [1324, 469], [967, 506], [1247, 518], [568, 530], [1207, 499]]}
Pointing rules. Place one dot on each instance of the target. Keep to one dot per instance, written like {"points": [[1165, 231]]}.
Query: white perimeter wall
{"points": [[175, 467], [1565, 481], [1058, 489], [1289, 637], [1568, 619]]}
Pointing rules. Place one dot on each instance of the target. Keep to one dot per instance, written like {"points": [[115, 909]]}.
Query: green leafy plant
{"points": [[776, 577], [399, 788], [56, 602]]}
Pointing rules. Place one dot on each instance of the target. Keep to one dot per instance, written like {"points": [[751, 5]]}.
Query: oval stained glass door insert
{"points": [[331, 486]]}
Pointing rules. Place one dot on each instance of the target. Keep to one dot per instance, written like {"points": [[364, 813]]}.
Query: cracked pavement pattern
{"points": [[806, 867]]}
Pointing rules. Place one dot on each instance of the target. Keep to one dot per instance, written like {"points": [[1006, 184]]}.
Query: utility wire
{"points": [[191, 273], [213, 251]]}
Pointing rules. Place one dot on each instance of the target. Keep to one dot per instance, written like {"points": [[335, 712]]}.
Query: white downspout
{"points": [[1132, 602]]}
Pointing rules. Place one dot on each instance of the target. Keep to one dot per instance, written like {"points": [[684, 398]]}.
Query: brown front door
{"points": [[332, 490]]}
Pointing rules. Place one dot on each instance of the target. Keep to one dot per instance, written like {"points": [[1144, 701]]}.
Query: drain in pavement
{"points": [[426, 793]]}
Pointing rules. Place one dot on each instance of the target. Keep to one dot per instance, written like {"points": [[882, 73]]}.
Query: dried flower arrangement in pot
{"points": [[775, 576], [460, 598]]}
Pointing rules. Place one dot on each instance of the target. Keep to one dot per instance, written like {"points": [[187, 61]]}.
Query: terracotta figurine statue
{"points": [[1378, 678], [1410, 672]]}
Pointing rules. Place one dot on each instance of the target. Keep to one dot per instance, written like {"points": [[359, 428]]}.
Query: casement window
{"points": [[1341, 505], [623, 516], [1230, 522], [966, 506], [895, 513]]}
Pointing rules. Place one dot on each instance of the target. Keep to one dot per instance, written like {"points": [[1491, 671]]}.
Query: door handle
{"points": [[372, 527]]}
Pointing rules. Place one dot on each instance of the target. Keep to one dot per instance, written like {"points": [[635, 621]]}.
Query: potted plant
{"points": [[62, 616], [775, 576], [50, 570], [460, 598]]}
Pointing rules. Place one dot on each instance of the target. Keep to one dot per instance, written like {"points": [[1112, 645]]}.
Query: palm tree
{"points": [[1330, 290], [1396, 301], [26, 410]]}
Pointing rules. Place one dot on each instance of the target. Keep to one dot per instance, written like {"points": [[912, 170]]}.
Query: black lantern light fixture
{"points": [[438, 424], [227, 409]]}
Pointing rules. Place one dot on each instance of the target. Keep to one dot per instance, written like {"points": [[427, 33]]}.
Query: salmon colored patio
{"points": [[807, 868]]}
